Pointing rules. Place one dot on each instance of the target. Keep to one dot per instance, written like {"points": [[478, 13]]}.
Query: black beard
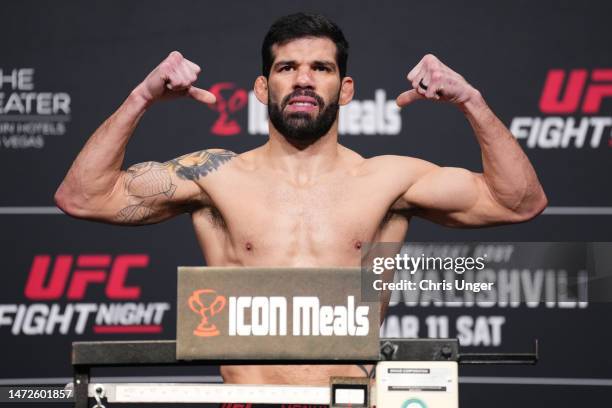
{"points": [[300, 126]]}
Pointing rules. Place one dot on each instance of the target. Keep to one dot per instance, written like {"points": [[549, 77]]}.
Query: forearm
{"points": [[95, 171], [507, 171]]}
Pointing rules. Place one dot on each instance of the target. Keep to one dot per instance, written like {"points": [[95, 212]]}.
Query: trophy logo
{"points": [[206, 303]]}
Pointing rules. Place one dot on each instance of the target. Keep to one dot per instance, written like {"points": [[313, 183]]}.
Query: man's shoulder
{"points": [[203, 155], [380, 162], [196, 165], [394, 162]]}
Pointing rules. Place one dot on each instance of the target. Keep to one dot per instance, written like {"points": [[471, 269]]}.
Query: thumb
{"points": [[201, 95], [408, 97]]}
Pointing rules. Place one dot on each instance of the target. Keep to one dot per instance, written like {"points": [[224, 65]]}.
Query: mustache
{"points": [[302, 92]]}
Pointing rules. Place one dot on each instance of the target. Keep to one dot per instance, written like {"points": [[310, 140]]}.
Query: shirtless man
{"points": [[300, 199]]}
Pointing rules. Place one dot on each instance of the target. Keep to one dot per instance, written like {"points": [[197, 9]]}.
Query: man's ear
{"points": [[261, 89], [347, 90]]}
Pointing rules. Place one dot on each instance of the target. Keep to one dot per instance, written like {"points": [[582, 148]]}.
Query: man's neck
{"points": [[302, 162]]}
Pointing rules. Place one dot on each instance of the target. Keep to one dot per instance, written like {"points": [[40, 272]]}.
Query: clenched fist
{"points": [[431, 79], [174, 77]]}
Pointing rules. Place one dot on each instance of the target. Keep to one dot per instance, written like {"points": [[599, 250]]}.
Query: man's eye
{"points": [[286, 68], [322, 68]]}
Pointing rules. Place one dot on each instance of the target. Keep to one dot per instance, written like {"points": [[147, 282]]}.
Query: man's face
{"points": [[304, 88]]}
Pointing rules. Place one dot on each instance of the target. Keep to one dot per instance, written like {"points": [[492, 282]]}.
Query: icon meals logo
{"points": [[584, 93], [267, 315], [206, 303]]}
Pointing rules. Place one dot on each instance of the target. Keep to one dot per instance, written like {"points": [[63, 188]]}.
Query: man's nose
{"points": [[304, 78]]}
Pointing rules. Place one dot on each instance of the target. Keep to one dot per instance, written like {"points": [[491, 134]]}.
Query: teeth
{"points": [[303, 103]]}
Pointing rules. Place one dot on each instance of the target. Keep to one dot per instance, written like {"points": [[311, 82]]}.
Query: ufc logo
{"points": [[47, 282], [598, 88]]}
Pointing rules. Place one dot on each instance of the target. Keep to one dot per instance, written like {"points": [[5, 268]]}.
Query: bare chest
{"points": [[283, 224]]}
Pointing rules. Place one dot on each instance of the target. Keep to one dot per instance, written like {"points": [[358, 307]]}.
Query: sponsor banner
{"points": [[273, 313]]}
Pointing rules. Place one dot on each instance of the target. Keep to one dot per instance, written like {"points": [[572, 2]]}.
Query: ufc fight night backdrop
{"points": [[544, 67]]}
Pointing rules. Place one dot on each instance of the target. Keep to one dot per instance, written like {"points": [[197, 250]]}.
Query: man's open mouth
{"points": [[302, 104]]}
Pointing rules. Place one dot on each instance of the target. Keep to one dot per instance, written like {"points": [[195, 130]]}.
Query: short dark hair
{"points": [[301, 25]]}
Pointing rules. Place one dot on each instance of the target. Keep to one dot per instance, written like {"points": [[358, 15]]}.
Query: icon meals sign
{"points": [[271, 313]]}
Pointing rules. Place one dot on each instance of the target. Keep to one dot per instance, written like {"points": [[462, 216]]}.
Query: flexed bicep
{"points": [[456, 197], [144, 184], [155, 191]]}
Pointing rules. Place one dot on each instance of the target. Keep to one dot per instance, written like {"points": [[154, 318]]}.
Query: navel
{"points": [[357, 245], [248, 246]]}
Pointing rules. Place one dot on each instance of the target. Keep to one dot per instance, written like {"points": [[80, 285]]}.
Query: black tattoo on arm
{"points": [[196, 165], [148, 182]]}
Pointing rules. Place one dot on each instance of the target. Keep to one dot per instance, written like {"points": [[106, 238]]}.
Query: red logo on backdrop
{"points": [[47, 282], [595, 87], [52, 279], [236, 100]]}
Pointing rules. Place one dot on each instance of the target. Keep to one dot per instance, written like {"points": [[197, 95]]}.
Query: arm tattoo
{"points": [[147, 182], [143, 184], [196, 165]]}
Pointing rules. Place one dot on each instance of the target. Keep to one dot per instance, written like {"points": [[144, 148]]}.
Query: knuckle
{"points": [[165, 67], [192, 66], [170, 67], [176, 81], [175, 56], [183, 67]]}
